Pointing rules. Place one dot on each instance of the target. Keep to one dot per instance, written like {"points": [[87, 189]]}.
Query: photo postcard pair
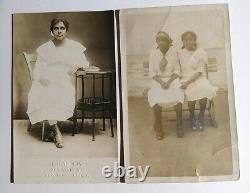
{"points": [[123, 96]]}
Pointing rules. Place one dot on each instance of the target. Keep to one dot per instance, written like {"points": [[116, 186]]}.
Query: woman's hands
{"points": [[165, 85], [44, 82], [185, 84]]}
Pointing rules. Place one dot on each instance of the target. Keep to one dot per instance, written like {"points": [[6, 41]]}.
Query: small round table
{"points": [[94, 97]]}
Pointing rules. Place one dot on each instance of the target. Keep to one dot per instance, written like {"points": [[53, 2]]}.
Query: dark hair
{"points": [[188, 33], [165, 35], [56, 21]]}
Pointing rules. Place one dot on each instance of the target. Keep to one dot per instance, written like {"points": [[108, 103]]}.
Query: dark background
{"points": [[94, 30]]}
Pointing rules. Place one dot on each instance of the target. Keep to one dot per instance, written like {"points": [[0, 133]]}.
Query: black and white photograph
{"points": [[178, 98], [63, 97]]}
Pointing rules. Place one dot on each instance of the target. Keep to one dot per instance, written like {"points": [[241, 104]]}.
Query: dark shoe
{"points": [[158, 131], [192, 122], [50, 134], [180, 133], [159, 134]]}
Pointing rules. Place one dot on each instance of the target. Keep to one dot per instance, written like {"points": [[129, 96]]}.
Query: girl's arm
{"points": [[194, 77], [173, 77], [165, 85], [176, 69], [153, 71], [200, 68], [158, 79]]}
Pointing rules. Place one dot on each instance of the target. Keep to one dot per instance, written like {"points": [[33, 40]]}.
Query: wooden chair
{"points": [[30, 61]]}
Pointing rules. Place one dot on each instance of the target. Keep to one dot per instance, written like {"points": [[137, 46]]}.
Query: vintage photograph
{"points": [[63, 97], [178, 98]]}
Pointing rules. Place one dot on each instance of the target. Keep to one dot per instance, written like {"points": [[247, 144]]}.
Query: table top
{"points": [[101, 71]]}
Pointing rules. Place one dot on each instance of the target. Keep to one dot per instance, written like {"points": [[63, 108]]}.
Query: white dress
{"points": [[192, 62], [164, 97], [57, 65]]}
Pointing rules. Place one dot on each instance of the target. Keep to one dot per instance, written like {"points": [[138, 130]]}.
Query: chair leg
{"points": [[93, 127], [43, 130], [212, 115], [75, 131], [82, 121], [111, 124], [29, 127], [103, 121]]}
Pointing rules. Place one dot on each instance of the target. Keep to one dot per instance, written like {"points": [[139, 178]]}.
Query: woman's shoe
{"points": [[59, 144]]}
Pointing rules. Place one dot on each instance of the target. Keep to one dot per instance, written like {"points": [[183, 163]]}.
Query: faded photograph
{"points": [[178, 99], [63, 97]]}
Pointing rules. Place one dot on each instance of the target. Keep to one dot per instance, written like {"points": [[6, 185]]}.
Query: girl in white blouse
{"points": [[194, 82], [165, 88]]}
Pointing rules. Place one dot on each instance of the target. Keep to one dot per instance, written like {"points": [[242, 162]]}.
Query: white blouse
{"points": [[192, 62], [172, 66]]}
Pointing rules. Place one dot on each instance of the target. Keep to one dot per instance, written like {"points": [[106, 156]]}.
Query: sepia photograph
{"points": [[177, 89], [124, 96], [63, 97]]}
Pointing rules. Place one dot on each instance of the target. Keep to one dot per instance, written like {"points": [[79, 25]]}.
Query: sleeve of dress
{"points": [[202, 61], [80, 59], [176, 64], [40, 65], [152, 66]]}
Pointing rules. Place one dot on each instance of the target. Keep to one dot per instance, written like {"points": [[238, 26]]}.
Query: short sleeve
{"points": [[79, 59], [81, 47]]}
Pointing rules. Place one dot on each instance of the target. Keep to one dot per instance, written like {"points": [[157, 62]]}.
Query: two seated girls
{"points": [[178, 75]]}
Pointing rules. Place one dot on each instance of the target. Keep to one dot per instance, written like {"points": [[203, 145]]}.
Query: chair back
{"points": [[210, 67], [30, 61]]}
